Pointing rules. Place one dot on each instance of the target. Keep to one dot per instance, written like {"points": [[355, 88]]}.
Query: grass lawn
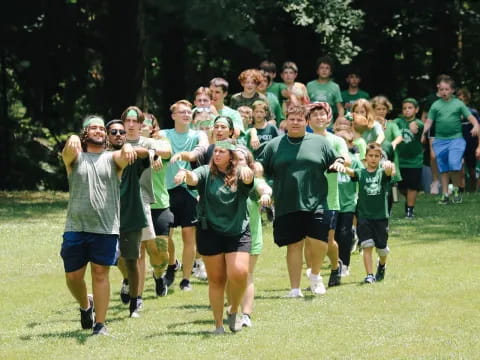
{"points": [[428, 307]]}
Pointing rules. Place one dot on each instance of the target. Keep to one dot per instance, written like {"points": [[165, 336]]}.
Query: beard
{"points": [[92, 141], [116, 146]]}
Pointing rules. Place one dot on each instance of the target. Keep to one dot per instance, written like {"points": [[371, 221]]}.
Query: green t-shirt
{"points": [[275, 108], [328, 92], [447, 116], [391, 131], [162, 198], [340, 148], [410, 150], [362, 147], [254, 214], [132, 210], [349, 99], [186, 141], [297, 167], [264, 135], [372, 193], [225, 210], [348, 189], [276, 89], [370, 135]]}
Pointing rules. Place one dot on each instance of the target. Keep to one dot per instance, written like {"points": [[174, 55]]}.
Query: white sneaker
{"points": [[246, 321], [316, 285], [345, 271], [199, 270], [294, 293], [434, 188]]}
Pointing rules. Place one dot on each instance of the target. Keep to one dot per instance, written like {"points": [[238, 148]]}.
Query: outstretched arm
{"points": [[70, 152]]}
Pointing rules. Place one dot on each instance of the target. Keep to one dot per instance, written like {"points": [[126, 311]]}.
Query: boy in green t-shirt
{"points": [[263, 130], [275, 88], [372, 209], [449, 145], [353, 92], [410, 154]]}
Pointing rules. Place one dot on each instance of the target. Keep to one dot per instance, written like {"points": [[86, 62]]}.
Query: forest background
{"points": [[63, 59]]}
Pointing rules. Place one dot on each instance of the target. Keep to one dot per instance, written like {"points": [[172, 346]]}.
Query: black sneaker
{"points": [[409, 214], [270, 213], [87, 317], [336, 275], [185, 285], [170, 273], [99, 329], [134, 307], [125, 292], [380, 275], [161, 287]]}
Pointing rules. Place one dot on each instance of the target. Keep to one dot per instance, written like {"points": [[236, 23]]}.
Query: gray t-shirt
{"points": [[94, 204]]}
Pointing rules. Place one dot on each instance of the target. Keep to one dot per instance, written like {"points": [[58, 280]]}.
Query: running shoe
{"points": [[87, 317], [370, 279], [125, 292]]}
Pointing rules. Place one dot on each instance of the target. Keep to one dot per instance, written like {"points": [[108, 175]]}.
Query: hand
{"points": [[157, 164], [338, 167], [128, 153], [255, 143], [475, 131], [246, 174], [388, 166], [413, 126], [74, 143], [180, 177], [176, 157], [265, 200]]}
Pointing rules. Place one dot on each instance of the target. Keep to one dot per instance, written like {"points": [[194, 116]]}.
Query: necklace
{"points": [[294, 143]]}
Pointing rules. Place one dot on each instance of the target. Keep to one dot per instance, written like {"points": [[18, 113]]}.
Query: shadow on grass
{"points": [[80, 336]]}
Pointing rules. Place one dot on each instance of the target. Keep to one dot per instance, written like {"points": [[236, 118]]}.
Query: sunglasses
{"points": [[117, 131]]}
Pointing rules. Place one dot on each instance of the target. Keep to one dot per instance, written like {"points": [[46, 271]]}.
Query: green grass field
{"points": [[428, 307]]}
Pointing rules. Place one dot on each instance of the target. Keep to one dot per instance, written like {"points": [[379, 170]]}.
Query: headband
{"points": [[222, 120], [225, 145], [147, 122], [94, 120], [132, 112]]}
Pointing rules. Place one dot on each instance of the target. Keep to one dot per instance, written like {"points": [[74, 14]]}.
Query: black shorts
{"points": [[471, 146], [411, 179], [183, 206], [291, 228], [162, 221], [210, 242], [372, 232]]}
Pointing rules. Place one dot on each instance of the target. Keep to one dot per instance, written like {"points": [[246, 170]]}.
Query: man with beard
{"points": [[93, 221]]}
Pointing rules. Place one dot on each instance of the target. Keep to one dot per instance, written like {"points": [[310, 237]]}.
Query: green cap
{"points": [[411, 101], [225, 145], [94, 120]]}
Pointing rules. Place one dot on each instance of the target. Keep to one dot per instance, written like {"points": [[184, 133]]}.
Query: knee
{"points": [[238, 274], [73, 277], [99, 273], [217, 280]]}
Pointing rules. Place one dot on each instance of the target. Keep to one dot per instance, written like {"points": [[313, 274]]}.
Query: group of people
{"points": [[324, 164]]}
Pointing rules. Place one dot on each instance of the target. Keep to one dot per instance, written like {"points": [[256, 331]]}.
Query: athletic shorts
{"points": [[291, 228], [211, 242], [80, 248], [130, 244], [449, 154], [183, 206], [372, 233], [411, 179], [162, 221], [331, 217], [148, 232]]}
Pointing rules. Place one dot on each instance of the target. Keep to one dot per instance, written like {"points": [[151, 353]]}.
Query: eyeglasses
{"points": [[184, 112], [117, 131]]}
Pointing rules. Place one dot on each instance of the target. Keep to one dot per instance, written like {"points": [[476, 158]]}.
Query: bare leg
{"points": [[122, 267], [411, 197], [367, 260], [294, 263], [237, 264], [217, 276], [248, 298], [307, 253], [332, 249], [101, 290], [189, 249], [445, 180], [158, 251], [171, 248], [319, 250], [77, 286]]}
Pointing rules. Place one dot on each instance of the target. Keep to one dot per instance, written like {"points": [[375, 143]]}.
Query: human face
{"points": [[296, 125], [381, 111], [182, 115], [259, 114], [249, 85], [202, 100], [133, 127], [221, 131], [116, 135], [360, 110], [373, 158], [96, 134], [324, 71], [409, 110], [288, 76], [353, 80], [218, 95], [221, 157], [262, 87], [445, 90], [318, 120], [461, 97], [241, 159]]}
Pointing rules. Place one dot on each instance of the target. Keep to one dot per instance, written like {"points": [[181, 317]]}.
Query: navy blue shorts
{"points": [[80, 248]]}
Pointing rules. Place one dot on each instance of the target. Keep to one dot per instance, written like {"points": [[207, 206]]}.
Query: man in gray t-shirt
{"points": [[93, 217]]}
